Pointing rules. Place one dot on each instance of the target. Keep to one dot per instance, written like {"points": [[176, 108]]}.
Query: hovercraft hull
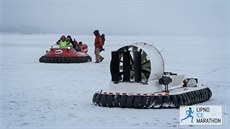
{"points": [[64, 55], [149, 101]]}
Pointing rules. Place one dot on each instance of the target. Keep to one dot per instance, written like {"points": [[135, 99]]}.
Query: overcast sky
{"points": [[117, 17]]}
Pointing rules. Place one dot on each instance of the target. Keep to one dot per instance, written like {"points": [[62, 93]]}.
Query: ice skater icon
{"points": [[189, 113]]}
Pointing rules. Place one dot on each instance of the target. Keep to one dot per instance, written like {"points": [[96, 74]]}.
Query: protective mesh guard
{"points": [[130, 63]]}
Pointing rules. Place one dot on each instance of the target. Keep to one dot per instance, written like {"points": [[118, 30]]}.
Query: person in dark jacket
{"points": [[70, 41], [74, 43]]}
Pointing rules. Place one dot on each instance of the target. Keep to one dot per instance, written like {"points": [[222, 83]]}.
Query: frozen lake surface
{"points": [[35, 95]]}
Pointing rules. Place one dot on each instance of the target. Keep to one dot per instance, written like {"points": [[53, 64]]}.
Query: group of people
{"points": [[65, 42]]}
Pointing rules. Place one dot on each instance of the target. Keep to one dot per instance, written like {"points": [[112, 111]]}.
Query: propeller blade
{"points": [[146, 73], [146, 63], [143, 56]]}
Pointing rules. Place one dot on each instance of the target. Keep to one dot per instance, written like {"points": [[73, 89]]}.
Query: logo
{"points": [[58, 51], [189, 113], [201, 115]]}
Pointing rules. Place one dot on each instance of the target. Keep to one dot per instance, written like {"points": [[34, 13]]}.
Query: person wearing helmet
{"points": [[62, 42], [98, 43]]}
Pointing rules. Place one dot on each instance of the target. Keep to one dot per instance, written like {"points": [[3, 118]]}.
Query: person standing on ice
{"points": [[98, 43], [62, 42]]}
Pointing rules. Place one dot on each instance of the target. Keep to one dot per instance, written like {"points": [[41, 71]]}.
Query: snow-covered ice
{"points": [[36, 95]]}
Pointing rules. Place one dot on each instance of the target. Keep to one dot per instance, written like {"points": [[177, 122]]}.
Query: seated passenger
{"points": [[70, 41], [76, 45], [83, 47], [62, 42]]}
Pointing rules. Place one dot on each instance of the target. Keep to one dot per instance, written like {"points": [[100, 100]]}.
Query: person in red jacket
{"points": [[98, 43]]}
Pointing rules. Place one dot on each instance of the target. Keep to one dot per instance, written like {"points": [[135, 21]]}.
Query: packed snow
{"points": [[36, 95]]}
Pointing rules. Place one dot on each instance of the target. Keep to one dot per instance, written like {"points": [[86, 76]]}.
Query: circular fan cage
{"points": [[132, 64], [128, 55], [64, 55]]}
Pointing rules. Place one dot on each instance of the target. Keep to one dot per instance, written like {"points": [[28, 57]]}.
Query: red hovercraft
{"points": [[66, 55], [138, 80]]}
